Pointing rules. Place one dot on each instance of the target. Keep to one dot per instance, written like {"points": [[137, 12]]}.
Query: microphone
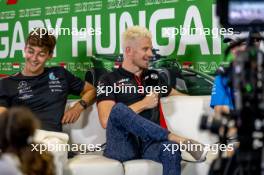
{"points": [[151, 78]]}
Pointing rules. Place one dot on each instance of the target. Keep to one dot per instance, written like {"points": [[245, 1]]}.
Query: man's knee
{"points": [[118, 113]]}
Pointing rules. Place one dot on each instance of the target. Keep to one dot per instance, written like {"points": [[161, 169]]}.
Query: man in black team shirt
{"points": [[44, 90], [132, 127]]}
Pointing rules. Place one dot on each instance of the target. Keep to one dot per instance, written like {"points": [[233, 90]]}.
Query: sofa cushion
{"points": [[93, 165], [146, 167]]}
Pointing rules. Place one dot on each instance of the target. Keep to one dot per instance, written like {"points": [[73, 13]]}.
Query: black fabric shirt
{"points": [[123, 78], [45, 94]]}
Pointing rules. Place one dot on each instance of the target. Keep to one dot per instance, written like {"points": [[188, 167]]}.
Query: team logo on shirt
{"points": [[52, 76], [154, 76], [22, 84], [124, 82], [24, 90], [54, 83]]}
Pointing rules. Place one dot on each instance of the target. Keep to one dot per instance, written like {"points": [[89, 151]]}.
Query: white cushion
{"points": [[183, 116], [87, 128], [42, 136], [146, 167], [93, 165], [54, 142]]}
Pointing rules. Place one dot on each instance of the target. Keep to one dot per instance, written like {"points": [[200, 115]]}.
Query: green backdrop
{"points": [[105, 21]]}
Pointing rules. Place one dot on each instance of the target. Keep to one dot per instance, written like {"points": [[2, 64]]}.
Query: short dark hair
{"points": [[40, 37]]}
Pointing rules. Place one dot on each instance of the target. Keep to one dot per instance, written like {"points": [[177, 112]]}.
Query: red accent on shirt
{"points": [[162, 119], [138, 80], [3, 75]]}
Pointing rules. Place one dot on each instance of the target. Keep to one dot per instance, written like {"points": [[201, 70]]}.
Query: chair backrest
{"points": [[183, 115], [87, 129]]}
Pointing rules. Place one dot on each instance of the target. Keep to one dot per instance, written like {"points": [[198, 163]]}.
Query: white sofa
{"points": [[88, 130], [49, 141]]}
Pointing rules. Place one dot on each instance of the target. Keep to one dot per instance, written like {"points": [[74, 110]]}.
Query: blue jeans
{"points": [[130, 136]]}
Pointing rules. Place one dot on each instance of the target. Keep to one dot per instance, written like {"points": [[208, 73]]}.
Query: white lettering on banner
{"points": [[193, 39], [34, 24], [57, 27], [155, 18], [118, 23], [216, 38], [112, 35], [142, 18], [81, 36], [4, 41], [17, 35], [125, 20]]}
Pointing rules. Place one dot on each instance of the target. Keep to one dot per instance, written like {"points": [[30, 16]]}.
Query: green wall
{"points": [[106, 20]]}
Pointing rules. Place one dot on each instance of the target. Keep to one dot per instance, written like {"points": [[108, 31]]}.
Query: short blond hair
{"points": [[133, 33]]}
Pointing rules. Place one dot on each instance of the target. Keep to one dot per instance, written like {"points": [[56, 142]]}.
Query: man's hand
{"points": [[150, 101], [88, 95], [72, 115]]}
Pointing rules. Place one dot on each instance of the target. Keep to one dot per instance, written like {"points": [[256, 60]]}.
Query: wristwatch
{"points": [[83, 104]]}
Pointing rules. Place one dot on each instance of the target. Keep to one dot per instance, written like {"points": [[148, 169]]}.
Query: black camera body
{"points": [[241, 15], [246, 79]]}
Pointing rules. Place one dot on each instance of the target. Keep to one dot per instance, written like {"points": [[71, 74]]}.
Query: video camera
{"points": [[245, 76], [241, 15]]}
